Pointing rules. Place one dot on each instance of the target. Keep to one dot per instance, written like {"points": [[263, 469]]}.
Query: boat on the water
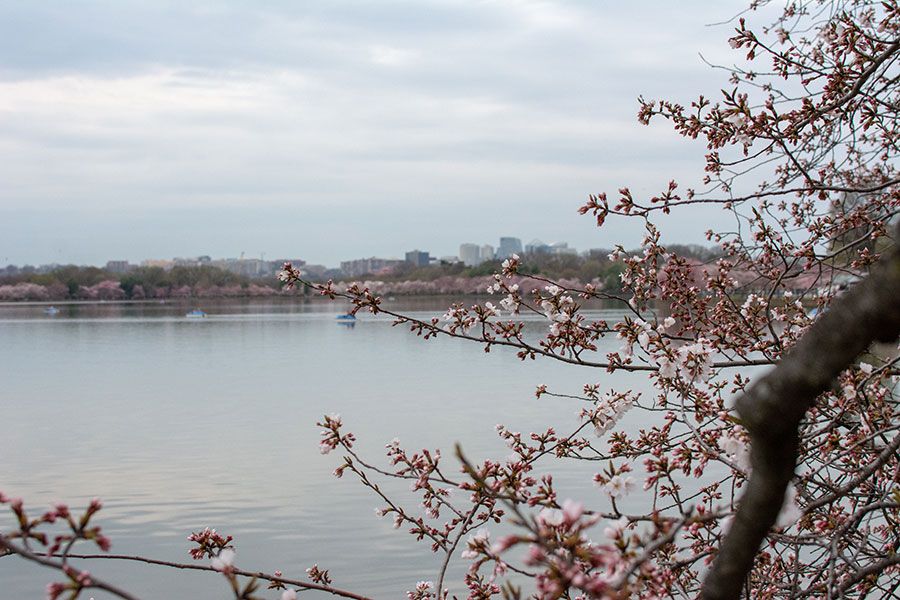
{"points": [[347, 317], [196, 314], [51, 310]]}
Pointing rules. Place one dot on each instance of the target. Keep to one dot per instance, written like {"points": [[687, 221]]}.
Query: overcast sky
{"points": [[337, 129]]}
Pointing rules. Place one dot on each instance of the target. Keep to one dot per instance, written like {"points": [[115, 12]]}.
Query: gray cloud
{"points": [[334, 129]]}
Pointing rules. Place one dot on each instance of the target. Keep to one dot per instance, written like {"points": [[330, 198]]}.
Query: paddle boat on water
{"points": [[51, 311], [196, 314], [346, 319]]}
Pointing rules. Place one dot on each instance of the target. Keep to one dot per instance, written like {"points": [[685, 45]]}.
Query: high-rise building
{"points": [[537, 247], [470, 254], [561, 248], [118, 266], [487, 253], [509, 246], [418, 258]]}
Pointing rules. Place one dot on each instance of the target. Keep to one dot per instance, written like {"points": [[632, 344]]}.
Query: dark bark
{"points": [[773, 407]]}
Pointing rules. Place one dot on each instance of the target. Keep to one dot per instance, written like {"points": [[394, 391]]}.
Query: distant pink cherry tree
{"points": [[23, 291], [768, 460]]}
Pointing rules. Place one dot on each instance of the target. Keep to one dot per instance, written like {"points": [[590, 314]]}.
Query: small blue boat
{"points": [[196, 314], [346, 317], [51, 310]]}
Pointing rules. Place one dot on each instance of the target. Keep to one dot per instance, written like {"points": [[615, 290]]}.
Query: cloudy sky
{"points": [[337, 129]]}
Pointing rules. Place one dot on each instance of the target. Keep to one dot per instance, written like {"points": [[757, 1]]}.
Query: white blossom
{"points": [[224, 560], [667, 368], [737, 119], [616, 528], [736, 449], [619, 486], [609, 409], [644, 339], [509, 303], [695, 361], [476, 543], [752, 301], [552, 517]]}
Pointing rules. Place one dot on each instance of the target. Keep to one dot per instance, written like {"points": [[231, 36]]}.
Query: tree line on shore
{"points": [[73, 282]]}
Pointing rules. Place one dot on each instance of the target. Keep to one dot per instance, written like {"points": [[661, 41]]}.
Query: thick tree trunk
{"points": [[773, 407]]}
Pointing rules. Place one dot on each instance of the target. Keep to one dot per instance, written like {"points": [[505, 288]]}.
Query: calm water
{"points": [[179, 424]]}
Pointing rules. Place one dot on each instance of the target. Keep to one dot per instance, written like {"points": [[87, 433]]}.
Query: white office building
{"points": [[470, 254]]}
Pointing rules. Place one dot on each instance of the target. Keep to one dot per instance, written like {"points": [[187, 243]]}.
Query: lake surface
{"points": [[179, 424]]}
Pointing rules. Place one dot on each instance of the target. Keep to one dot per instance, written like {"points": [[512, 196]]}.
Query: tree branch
{"points": [[61, 566], [305, 585], [774, 406]]}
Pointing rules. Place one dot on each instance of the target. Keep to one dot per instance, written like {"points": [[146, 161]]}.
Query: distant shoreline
{"points": [[199, 300]]}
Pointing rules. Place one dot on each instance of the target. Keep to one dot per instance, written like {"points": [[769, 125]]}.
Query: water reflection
{"points": [[182, 423]]}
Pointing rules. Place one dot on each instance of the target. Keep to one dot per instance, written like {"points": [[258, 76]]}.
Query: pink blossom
{"points": [[572, 511]]}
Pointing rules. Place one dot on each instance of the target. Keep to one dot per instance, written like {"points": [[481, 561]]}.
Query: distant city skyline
{"points": [[382, 244], [420, 257], [333, 129]]}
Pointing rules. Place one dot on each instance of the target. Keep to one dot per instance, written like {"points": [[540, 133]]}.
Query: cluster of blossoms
{"points": [[78, 580], [331, 436], [80, 529], [557, 544], [606, 410], [209, 544], [734, 445], [615, 481], [31, 539], [510, 266], [423, 591], [693, 362]]}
